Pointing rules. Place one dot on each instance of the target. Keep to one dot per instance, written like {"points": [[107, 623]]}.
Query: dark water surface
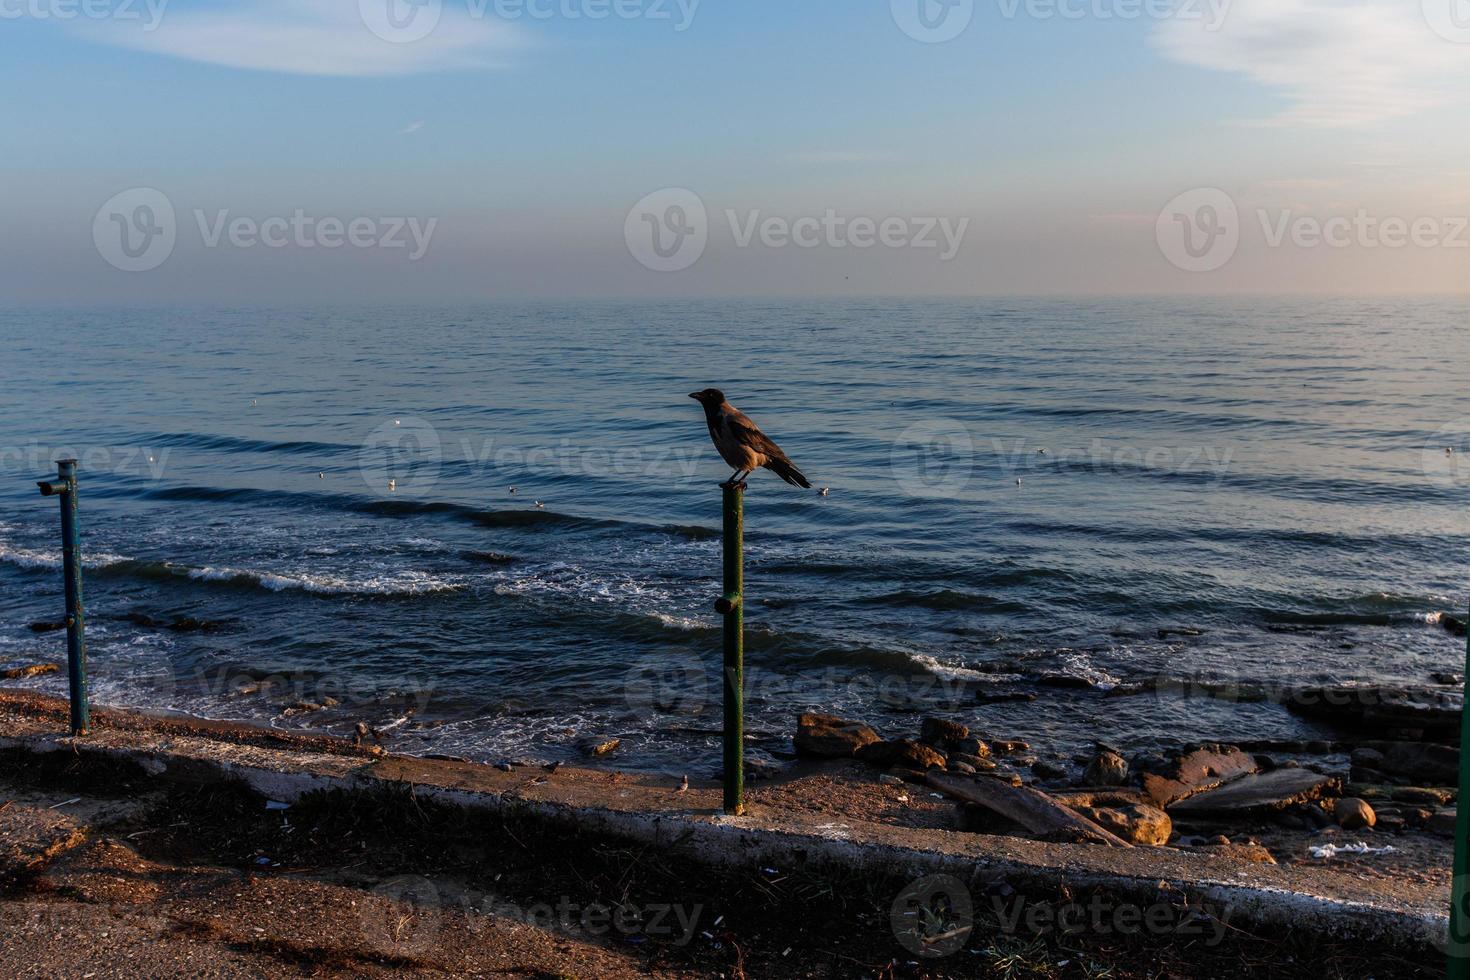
{"points": [[1268, 475]]}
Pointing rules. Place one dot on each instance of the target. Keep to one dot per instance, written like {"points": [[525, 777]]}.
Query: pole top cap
{"points": [[66, 462]]}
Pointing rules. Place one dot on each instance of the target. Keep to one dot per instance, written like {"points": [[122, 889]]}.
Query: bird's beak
{"points": [[694, 395]]}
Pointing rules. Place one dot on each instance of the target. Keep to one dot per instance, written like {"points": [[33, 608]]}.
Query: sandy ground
{"points": [[80, 901]]}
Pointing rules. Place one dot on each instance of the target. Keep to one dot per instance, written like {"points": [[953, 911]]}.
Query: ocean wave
{"points": [[31, 558]]}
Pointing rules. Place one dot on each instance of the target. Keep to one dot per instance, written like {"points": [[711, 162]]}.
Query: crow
{"points": [[741, 443]]}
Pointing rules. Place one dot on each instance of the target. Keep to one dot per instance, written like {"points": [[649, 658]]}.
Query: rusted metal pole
{"points": [[731, 605], [65, 487]]}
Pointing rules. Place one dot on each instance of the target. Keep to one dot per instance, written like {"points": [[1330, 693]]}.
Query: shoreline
{"points": [[837, 814]]}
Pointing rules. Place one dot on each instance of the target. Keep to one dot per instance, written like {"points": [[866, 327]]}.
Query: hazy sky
{"points": [[295, 150]]}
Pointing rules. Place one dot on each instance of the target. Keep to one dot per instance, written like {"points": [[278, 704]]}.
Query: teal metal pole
{"points": [[1459, 945], [65, 487], [731, 605]]}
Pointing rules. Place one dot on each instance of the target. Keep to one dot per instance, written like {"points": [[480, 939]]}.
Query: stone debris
{"points": [[829, 737]]}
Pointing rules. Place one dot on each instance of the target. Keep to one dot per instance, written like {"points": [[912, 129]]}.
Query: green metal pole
{"points": [[1459, 945], [65, 487], [731, 605]]}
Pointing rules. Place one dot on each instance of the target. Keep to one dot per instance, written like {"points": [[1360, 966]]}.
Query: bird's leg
{"points": [[736, 479]]}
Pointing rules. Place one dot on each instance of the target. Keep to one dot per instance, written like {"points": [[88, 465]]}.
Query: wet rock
{"points": [[971, 746], [1065, 681], [598, 747], [1378, 708], [1447, 677], [1137, 823], [996, 697], [1008, 746], [1048, 770], [1107, 768], [1424, 763], [902, 752], [1167, 632], [829, 737], [975, 762], [1452, 624], [1352, 813], [46, 627], [940, 732], [30, 670], [961, 767]]}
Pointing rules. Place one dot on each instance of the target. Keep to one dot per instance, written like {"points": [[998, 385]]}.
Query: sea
{"points": [[493, 532]]}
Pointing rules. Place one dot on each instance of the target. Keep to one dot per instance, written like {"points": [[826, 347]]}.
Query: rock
{"points": [[30, 670], [1434, 796], [971, 746], [598, 747], [888, 779], [901, 752], [1137, 823], [1107, 768], [1379, 708], [1452, 624], [1048, 770], [1424, 763], [961, 767], [829, 737], [1257, 793], [1390, 822], [1352, 813], [1065, 681], [973, 761], [1219, 840], [1442, 823], [1123, 796], [1202, 768], [910, 776], [1439, 677], [940, 732], [46, 627], [1009, 746]]}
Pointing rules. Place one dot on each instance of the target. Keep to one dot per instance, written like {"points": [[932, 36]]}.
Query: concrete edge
{"points": [[1240, 898]]}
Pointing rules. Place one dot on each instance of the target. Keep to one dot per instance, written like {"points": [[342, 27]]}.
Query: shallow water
{"points": [[1269, 474]]}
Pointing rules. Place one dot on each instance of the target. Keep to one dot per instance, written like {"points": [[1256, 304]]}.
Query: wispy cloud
{"points": [[1337, 62], [315, 37], [411, 128]]}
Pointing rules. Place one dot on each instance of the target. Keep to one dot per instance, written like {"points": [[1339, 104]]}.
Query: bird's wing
{"points": [[750, 435]]}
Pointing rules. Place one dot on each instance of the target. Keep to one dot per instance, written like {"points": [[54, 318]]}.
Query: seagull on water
{"points": [[742, 444]]}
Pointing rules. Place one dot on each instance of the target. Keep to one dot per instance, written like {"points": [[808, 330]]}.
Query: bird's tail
{"points": [[788, 472]]}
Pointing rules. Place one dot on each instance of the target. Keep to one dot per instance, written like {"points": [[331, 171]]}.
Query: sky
{"points": [[288, 151]]}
